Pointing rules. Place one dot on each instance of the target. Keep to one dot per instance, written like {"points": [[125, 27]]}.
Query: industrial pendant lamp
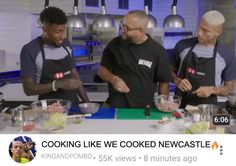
{"points": [[152, 22], [75, 20], [174, 20], [46, 5], [103, 20]]}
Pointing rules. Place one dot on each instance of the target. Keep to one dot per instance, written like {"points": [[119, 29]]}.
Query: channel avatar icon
{"points": [[22, 149]]}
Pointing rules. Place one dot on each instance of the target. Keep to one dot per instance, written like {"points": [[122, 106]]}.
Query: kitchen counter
{"points": [[113, 125], [101, 126], [109, 126]]}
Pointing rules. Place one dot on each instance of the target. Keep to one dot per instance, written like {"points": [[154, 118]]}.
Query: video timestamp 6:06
{"points": [[221, 119]]}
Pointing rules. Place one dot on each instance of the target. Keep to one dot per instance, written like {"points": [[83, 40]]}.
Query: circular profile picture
{"points": [[22, 149]]}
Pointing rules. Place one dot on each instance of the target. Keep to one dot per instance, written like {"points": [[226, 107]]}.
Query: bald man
{"points": [[203, 68], [133, 64], [17, 152]]}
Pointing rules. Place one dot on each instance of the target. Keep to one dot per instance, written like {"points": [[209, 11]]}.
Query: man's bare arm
{"points": [[206, 91], [80, 90], [163, 88], [32, 88]]}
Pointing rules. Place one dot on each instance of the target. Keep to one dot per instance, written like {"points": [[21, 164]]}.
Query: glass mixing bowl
{"points": [[52, 113], [167, 103]]}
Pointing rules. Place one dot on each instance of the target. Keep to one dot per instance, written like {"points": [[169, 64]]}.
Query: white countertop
{"points": [[111, 126], [9, 68]]}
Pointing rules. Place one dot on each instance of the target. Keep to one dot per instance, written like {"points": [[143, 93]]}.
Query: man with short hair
{"points": [[201, 64], [133, 64], [47, 67], [17, 152]]}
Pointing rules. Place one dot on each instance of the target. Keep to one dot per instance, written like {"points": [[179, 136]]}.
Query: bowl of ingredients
{"points": [[197, 128], [4, 121], [232, 99], [52, 113], [89, 108], [167, 103], [28, 125]]}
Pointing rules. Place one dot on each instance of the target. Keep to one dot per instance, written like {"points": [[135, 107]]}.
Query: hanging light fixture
{"points": [[75, 20], [46, 5], [103, 21], [152, 22], [174, 20]]}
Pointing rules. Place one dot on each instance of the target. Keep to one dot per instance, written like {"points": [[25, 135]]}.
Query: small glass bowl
{"points": [[167, 103], [27, 125], [52, 113], [166, 120]]}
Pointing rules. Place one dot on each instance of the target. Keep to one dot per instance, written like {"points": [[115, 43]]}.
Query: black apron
{"points": [[55, 70], [138, 97], [199, 72]]}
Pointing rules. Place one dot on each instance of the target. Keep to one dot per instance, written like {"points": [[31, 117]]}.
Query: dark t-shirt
{"points": [[141, 66], [225, 63], [31, 57]]}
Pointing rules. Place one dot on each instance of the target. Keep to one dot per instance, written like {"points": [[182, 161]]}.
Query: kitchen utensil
{"points": [[4, 121], [207, 111], [52, 113], [232, 99], [167, 103], [89, 108]]}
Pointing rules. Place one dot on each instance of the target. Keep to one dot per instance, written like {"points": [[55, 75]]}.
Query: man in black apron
{"points": [[196, 80], [52, 75], [133, 63]]}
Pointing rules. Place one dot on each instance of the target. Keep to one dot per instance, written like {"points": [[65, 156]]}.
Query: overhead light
{"points": [[152, 22], [174, 20], [75, 20], [46, 5], [103, 21]]}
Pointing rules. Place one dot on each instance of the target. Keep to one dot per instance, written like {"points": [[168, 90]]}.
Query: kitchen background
{"points": [[18, 22], [17, 18]]}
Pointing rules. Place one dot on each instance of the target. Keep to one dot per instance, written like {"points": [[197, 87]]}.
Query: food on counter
{"points": [[168, 106], [191, 109], [55, 121], [167, 103], [77, 120], [27, 127], [220, 130], [56, 107], [177, 114], [196, 116], [166, 119], [197, 128], [56, 116], [52, 113]]}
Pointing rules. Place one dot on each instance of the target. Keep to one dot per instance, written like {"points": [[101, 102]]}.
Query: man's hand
{"points": [[183, 84], [204, 91], [68, 84], [119, 84]]}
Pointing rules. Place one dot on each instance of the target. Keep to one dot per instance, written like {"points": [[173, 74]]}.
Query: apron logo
{"points": [[145, 63], [191, 71], [59, 75], [194, 72]]}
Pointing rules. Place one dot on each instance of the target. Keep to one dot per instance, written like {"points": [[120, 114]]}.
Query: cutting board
{"points": [[135, 114], [103, 113]]}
